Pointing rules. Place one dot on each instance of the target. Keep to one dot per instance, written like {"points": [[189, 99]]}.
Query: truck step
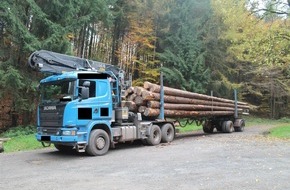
{"points": [[81, 147]]}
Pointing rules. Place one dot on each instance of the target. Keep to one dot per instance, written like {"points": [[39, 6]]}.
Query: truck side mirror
{"points": [[85, 92]]}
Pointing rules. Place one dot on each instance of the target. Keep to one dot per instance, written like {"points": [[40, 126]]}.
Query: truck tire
{"points": [[228, 126], [99, 143], [239, 125], [167, 133], [207, 127], [154, 136], [63, 148]]}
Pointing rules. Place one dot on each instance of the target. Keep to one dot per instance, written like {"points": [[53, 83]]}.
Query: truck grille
{"points": [[48, 131], [51, 118]]}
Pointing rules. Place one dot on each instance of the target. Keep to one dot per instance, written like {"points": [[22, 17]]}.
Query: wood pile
{"points": [[177, 103]]}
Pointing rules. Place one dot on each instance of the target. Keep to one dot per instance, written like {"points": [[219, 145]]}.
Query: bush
{"points": [[19, 131]]}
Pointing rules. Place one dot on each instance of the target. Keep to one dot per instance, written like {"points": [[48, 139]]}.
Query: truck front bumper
{"points": [[57, 139]]}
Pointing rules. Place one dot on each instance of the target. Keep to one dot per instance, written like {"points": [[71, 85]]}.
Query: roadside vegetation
{"points": [[20, 138], [282, 131], [281, 127]]}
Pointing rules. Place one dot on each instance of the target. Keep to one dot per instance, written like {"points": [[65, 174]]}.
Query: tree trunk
{"points": [[188, 107], [180, 100], [130, 105], [183, 114], [186, 94], [139, 101]]}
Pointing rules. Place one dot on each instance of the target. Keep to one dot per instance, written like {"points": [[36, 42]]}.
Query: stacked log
{"points": [[178, 103]]}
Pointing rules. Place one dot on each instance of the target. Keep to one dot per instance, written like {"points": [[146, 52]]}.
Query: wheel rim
{"points": [[155, 134], [170, 134], [100, 143]]}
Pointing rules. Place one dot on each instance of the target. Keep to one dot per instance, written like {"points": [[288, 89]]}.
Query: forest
{"points": [[201, 46]]}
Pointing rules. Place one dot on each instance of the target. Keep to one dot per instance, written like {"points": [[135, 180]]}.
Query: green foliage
{"points": [[257, 59], [21, 143], [183, 50], [20, 138], [19, 131], [12, 77], [282, 131]]}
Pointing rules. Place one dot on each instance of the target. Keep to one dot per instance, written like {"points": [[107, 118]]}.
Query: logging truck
{"points": [[88, 106]]}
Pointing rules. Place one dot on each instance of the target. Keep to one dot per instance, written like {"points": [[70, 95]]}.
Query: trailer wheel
{"points": [[155, 135], [208, 127], [63, 148], [239, 125], [167, 133], [99, 143], [228, 127]]}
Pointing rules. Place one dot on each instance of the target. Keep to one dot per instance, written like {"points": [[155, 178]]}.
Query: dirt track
{"points": [[247, 160]]}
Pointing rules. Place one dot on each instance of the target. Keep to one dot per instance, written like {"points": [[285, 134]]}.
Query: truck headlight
{"points": [[68, 133]]}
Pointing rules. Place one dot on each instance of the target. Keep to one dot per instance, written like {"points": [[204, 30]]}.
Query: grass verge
{"points": [[281, 127], [20, 143], [21, 138], [282, 131]]}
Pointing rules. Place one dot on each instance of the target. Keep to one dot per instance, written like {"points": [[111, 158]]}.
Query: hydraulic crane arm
{"points": [[56, 63]]}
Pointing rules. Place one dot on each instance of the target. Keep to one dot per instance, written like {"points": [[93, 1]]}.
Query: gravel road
{"points": [[247, 160]]}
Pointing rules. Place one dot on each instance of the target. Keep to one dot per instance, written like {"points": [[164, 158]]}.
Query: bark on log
{"points": [[189, 107], [142, 109], [130, 105], [181, 93], [131, 97], [138, 90], [181, 100], [183, 114], [146, 95], [129, 91], [139, 101]]}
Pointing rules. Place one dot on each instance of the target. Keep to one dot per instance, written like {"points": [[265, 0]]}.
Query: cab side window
{"points": [[92, 87]]}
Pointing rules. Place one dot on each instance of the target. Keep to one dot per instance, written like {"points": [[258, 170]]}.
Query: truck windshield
{"points": [[57, 92]]}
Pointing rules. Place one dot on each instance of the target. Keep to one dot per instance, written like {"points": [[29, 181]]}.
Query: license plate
{"points": [[45, 138]]}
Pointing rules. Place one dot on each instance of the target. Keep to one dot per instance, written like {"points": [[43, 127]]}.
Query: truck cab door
{"points": [[98, 105]]}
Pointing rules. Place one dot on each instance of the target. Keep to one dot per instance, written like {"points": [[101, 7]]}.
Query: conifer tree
{"points": [[183, 51]]}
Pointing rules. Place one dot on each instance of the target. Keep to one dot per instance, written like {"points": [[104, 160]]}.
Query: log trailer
{"points": [[81, 108]]}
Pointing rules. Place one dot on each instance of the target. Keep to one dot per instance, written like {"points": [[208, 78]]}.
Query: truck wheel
{"points": [[228, 127], [207, 127], [99, 143], [63, 148], [239, 125], [167, 133], [155, 135]]}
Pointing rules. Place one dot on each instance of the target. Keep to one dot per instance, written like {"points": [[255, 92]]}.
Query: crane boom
{"points": [[56, 63]]}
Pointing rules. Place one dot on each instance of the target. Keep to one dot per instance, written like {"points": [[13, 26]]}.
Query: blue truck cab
{"points": [[72, 104], [81, 107]]}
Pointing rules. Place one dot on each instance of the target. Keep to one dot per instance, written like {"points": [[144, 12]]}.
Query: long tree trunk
{"points": [[180, 100], [183, 114], [186, 94], [188, 107]]}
